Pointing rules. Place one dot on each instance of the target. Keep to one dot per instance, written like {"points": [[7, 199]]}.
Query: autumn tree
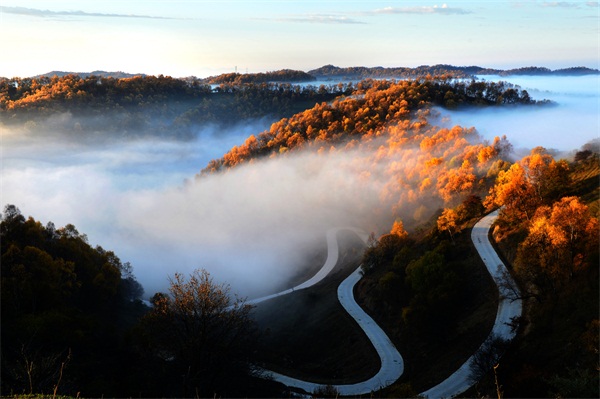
{"points": [[456, 181], [448, 221], [575, 231], [65, 307], [535, 180], [561, 240], [398, 229], [200, 333], [547, 176], [471, 207]]}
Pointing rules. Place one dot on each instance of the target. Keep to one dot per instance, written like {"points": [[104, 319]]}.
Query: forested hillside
{"points": [[375, 109], [73, 322], [97, 106], [65, 309], [548, 231], [548, 234], [425, 286], [358, 73], [284, 75]]}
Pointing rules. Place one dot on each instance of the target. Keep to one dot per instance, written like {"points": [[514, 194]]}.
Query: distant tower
{"points": [[236, 69]]}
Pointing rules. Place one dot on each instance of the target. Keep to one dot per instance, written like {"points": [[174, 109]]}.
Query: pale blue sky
{"points": [[202, 38]]}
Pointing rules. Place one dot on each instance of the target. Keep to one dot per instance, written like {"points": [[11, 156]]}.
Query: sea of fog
{"points": [[571, 122], [251, 227]]}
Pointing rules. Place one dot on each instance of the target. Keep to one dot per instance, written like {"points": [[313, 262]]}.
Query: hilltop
{"points": [[103, 74], [332, 72]]}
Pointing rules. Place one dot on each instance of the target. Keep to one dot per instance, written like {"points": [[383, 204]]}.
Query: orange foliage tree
{"points": [[416, 166], [535, 180], [561, 241], [448, 221]]}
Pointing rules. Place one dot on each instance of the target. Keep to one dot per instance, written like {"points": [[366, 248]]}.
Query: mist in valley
{"points": [[256, 225], [252, 227], [566, 125]]}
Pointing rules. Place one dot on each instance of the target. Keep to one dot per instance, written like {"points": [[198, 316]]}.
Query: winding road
{"points": [[392, 364], [332, 259], [508, 309]]}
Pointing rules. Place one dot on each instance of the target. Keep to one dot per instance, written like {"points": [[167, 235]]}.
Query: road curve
{"points": [[392, 364], [508, 309], [332, 259]]}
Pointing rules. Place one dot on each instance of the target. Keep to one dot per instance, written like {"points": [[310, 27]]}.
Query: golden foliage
{"points": [[392, 144], [448, 221], [535, 180], [398, 229], [558, 240]]}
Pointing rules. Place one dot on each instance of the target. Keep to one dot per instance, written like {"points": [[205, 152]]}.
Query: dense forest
{"points": [[372, 111], [65, 309], [548, 233], [105, 107], [97, 106], [74, 324], [358, 73], [284, 75]]}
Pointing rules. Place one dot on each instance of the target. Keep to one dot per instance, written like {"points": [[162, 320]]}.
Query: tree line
{"points": [[148, 105], [283, 76], [73, 323], [464, 72], [548, 233], [366, 113], [168, 107]]}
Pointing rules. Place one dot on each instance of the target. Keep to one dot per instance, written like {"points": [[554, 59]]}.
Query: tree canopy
{"points": [[63, 301], [197, 331]]}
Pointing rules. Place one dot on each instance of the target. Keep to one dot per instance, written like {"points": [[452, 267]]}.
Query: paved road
{"points": [[392, 364], [332, 259], [460, 381]]}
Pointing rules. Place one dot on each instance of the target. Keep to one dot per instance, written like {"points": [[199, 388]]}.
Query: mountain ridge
{"points": [[332, 71]]}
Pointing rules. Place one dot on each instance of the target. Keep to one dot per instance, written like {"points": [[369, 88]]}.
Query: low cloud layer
{"points": [[251, 225], [39, 13], [565, 126], [444, 9], [255, 225]]}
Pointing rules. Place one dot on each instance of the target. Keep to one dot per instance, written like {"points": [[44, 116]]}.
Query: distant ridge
{"points": [[283, 75], [104, 74], [331, 71]]}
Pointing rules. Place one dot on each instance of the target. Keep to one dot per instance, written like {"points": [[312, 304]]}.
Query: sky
{"points": [[204, 38]]}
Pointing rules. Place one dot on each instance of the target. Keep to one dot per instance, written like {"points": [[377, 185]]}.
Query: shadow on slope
{"points": [[308, 333]]}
